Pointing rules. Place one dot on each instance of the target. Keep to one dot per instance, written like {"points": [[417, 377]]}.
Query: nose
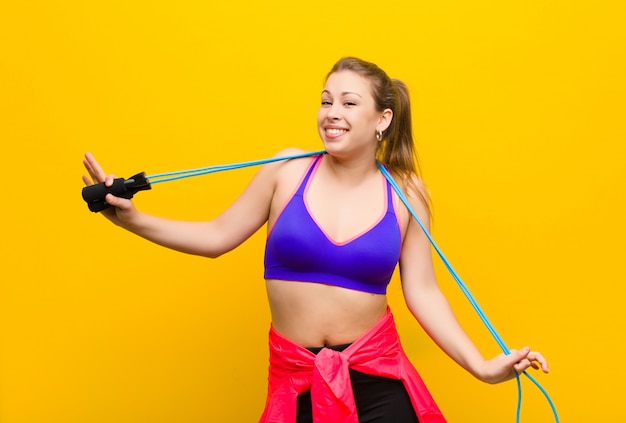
{"points": [[333, 112]]}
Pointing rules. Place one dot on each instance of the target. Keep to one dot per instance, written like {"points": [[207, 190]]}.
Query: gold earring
{"points": [[379, 135]]}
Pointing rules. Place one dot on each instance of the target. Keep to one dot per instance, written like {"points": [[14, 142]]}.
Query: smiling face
{"points": [[348, 119]]}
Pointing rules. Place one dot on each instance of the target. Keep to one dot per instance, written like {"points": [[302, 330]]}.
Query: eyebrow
{"points": [[343, 93]]}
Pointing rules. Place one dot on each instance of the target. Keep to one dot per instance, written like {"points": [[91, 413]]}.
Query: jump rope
{"points": [[126, 188]]}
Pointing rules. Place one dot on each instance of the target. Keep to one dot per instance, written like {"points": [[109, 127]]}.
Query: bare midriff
{"points": [[316, 315]]}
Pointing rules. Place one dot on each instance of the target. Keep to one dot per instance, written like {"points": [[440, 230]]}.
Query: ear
{"points": [[384, 120]]}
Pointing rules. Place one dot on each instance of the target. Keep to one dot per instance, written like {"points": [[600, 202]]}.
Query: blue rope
{"points": [[471, 299], [171, 176]]}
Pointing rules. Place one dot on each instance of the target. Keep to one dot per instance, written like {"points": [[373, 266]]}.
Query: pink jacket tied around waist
{"points": [[294, 369]]}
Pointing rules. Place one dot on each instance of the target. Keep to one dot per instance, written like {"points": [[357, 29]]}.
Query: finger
{"points": [[516, 356], [94, 168], [120, 203], [522, 365], [532, 364], [533, 359], [515, 359], [92, 179], [538, 358], [108, 180]]}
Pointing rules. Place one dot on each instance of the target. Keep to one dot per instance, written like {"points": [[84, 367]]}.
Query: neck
{"points": [[353, 170]]}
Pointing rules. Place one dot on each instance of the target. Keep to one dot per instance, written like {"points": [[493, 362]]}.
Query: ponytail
{"points": [[398, 151]]}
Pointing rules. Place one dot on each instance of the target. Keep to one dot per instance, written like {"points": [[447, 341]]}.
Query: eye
{"points": [[327, 103], [350, 103]]}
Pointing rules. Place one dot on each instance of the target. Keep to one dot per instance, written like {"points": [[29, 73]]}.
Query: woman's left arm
{"points": [[432, 310]]}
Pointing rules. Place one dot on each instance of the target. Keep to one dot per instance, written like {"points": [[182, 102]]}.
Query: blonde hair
{"points": [[397, 149]]}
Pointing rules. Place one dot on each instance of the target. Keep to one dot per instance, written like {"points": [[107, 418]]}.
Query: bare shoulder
{"points": [[292, 151], [287, 175], [413, 187], [292, 166], [276, 166], [416, 192]]}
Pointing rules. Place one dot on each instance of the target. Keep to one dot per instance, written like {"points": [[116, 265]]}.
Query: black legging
{"points": [[378, 399]]}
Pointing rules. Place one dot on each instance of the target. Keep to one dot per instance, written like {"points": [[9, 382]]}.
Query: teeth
{"points": [[333, 131]]}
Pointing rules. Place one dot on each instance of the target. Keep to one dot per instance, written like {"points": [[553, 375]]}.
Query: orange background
{"points": [[519, 111]]}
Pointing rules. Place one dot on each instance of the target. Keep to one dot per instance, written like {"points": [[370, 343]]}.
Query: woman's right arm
{"points": [[211, 238]]}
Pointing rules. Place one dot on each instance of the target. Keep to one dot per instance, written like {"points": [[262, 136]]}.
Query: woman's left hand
{"points": [[504, 367]]}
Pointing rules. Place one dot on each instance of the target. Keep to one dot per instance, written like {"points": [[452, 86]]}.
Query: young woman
{"points": [[336, 231]]}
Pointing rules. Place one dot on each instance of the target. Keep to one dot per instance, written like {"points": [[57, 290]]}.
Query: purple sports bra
{"points": [[297, 249]]}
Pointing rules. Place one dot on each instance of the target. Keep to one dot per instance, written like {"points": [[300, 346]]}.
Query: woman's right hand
{"points": [[122, 211]]}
